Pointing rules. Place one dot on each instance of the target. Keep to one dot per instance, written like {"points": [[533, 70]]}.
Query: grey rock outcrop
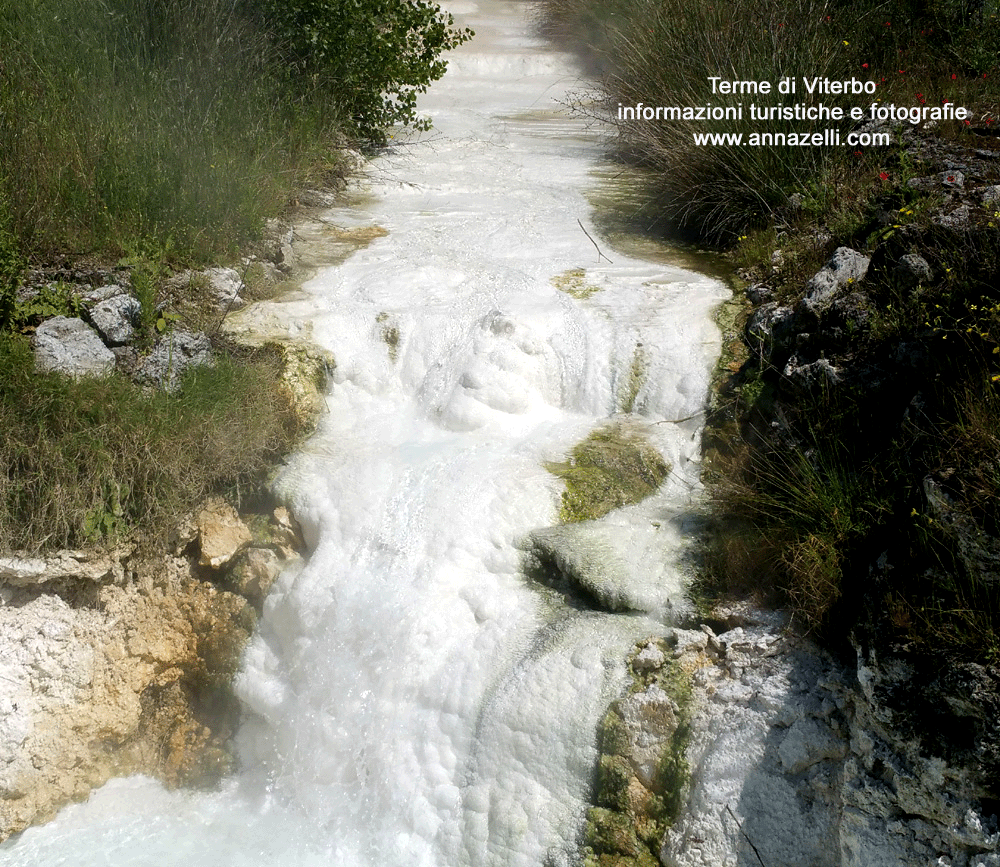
{"points": [[116, 318], [68, 345], [225, 285], [24, 570], [173, 354], [913, 270], [846, 267], [770, 329]]}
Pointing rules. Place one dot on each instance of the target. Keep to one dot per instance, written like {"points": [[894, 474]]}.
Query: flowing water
{"points": [[412, 698]]}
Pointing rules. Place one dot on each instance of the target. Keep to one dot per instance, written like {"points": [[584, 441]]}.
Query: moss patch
{"points": [[573, 282], [636, 379], [390, 334], [614, 466], [627, 825]]}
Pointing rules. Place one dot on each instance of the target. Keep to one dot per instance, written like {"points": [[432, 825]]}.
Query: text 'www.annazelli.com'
{"points": [[826, 138]]}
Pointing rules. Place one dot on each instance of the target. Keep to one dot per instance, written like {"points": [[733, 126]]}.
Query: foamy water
{"points": [[411, 697]]}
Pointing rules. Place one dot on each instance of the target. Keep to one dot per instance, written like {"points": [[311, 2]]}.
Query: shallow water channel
{"points": [[412, 698]]}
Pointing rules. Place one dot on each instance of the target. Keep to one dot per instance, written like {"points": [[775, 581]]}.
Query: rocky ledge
{"points": [[861, 413], [116, 664]]}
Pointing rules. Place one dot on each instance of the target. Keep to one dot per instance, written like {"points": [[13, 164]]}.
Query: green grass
{"points": [[167, 122], [93, 461], [184, 124], [663, 52]]}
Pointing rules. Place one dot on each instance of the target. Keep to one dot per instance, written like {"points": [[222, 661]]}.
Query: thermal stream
{"points": [[412, 698]]}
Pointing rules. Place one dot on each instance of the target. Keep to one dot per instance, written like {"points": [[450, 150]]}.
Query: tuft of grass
{"points": [[664, 52], [91, 461]]}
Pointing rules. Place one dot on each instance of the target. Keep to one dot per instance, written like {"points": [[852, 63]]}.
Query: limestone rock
{"points": [[95, 295], [612, 565], [305, 372], [759, 293], [25, 570], [846, 267], [116, 318], [651, 717], [770, 328], [255, 573], [68, 345], [95, 692], [225, 285], [806, 743], [807, 378], [957, 219], [913, 270], [286, 529], [173, 354], [221, 533]]}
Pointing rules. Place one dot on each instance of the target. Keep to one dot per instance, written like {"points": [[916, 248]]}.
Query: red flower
{"points": [[953, 76], [865, 66], [883, 176]]}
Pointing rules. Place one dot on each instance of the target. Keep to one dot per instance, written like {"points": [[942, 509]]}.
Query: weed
{"points": [[92, 459]]}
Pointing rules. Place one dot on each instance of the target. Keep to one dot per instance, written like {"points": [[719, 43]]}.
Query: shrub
{"points": [[375, 56]]}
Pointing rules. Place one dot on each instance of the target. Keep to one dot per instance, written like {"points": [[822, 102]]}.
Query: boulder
{"points": [[68, 345], [913, 270], [255, 573], [225, 285], [173, 354], [770, 329], [846, 267], [116, 318], [221, 533]]}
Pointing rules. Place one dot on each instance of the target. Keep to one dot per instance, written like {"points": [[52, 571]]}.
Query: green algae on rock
{"points": [[642, 772], [614, 466]]}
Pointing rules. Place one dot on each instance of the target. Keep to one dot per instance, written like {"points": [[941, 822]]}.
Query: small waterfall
{"points": [[412, 698]]}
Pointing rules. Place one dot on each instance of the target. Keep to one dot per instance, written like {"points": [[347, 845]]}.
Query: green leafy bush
{"points": [[375, 55]]}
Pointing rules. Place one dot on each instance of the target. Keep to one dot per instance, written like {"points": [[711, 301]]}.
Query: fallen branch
{"points": [[600, 255]]}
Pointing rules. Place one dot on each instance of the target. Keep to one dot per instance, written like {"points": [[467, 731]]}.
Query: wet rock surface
{"points": [[798, 758]]}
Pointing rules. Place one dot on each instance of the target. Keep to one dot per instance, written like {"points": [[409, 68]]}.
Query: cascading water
{"points": [[411, 697]]}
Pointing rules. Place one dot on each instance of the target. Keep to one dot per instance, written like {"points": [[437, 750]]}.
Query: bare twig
{"points": [[600, 255]]}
